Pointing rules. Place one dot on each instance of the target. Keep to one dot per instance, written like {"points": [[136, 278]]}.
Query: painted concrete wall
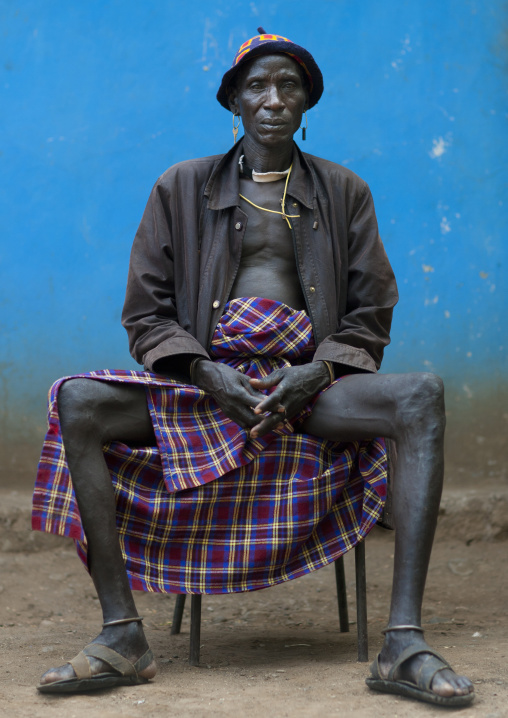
{"points": [[99, 98]]}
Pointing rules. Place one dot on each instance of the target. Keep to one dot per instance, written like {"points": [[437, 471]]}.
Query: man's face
{"points": [[270, 96]]}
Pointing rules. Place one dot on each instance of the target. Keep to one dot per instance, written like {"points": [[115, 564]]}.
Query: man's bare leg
{"points": [[91, 414], [408, 408]]}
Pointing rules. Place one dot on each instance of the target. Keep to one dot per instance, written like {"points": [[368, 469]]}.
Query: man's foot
{"points": [[130, 661], [422, 675]]}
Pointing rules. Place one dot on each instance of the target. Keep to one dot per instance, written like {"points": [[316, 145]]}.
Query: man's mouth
{"points": [[273, 123]]}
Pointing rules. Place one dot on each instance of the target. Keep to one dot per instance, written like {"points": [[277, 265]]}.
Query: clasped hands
{"points": [[244, 400]]}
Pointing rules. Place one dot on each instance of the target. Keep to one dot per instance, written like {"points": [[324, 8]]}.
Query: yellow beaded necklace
{"points": [[283, 203]]}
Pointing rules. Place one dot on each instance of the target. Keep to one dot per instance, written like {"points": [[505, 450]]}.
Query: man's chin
{"points": [[273, 136]]}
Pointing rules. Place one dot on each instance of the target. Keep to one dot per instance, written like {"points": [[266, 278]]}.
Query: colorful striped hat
{"points": [[264, 44]]}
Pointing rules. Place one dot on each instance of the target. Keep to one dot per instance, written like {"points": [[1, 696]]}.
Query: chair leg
{"points": [[178, 613], [340, 580], [361, 603], [195, 630]]}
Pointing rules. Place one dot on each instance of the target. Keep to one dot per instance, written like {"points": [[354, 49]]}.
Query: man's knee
{"points": [[103, 411], [421, 400], [80, 405], [426, 388]]}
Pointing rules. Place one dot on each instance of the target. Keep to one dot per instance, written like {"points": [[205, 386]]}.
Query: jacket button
{"points": [[238, 226], [312, 289], [216, 304]]}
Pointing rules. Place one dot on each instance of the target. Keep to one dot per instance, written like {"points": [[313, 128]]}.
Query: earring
{"points": [[304, 129], [235, 127]]}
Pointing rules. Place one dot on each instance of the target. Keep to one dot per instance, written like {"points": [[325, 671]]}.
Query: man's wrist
{"points": [[193, 365], [330, 368]]}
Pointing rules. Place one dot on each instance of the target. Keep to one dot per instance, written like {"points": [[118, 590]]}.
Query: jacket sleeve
{"points": [[364, 327], [150, 313]]}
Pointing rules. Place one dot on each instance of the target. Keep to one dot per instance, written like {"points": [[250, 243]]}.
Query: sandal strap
{"points": [[415, 650], [374, 669], [81, 666], [432, 665], [143, 662], [118, 662]]}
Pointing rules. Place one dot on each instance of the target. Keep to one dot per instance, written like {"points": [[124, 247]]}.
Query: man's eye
{"points": [[256, 86]]}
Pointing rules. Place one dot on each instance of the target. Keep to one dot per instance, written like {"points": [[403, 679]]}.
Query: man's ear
{"points": [[232, 101]]}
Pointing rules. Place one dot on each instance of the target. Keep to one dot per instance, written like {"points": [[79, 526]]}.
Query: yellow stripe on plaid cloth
{"points": [[279, 507]]}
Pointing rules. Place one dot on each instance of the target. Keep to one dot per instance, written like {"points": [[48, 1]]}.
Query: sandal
{"points": [[421, 688], [124, 672]]}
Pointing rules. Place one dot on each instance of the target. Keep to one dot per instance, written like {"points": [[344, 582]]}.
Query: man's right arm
{"points": [[156, 339], [150, 316]]}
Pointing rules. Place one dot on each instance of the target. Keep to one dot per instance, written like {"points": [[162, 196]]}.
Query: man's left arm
{"points": [[364, 329]]}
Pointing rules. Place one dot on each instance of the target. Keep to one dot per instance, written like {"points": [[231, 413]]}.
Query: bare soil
{"points": [[276, 652]]}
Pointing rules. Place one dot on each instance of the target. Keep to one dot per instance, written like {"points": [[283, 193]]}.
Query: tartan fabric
{"points": [[208, 510]]}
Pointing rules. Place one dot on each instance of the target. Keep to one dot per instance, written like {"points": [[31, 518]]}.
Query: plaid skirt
{"points": [[209, 510]]}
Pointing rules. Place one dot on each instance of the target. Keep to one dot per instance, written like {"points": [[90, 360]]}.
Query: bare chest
{"points": [[267, 265], [268, 234]]}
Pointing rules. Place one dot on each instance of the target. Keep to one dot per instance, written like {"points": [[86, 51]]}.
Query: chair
{"points": [[386, 521]]}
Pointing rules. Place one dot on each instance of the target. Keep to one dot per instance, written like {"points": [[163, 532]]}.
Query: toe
{"points": [[465, 685], [57, 674], [442, 685], [446, 683]]}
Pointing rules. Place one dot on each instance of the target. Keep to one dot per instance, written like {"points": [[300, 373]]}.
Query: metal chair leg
{"points": [[361, 603], [195, 630], [178, 613], [340, 580], [361, 609]]}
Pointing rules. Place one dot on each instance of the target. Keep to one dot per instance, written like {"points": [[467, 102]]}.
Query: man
{"points": [[263, 247]]}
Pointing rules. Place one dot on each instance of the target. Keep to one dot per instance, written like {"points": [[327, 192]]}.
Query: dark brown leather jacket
{"points": [[187, 251]]}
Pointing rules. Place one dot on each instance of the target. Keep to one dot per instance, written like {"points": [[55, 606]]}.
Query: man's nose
{"points": [[273, 98]]}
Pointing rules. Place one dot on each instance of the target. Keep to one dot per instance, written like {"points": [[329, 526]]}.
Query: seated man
{"points": [[259, 300]]}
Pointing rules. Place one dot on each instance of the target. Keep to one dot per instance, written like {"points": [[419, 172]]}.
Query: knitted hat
{"points": [[264, 44]]}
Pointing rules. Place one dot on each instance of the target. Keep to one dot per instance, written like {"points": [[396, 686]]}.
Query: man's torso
{"points": [[268, 265]]}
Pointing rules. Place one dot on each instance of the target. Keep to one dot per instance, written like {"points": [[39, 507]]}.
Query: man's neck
{"points": [[263, 159]]}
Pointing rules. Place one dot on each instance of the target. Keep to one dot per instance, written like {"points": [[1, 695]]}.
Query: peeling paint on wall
{"points": [[445, 226], [439, 147]]}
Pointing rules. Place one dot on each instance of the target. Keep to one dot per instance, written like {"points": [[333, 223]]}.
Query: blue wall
{"points": [[99, 98]]}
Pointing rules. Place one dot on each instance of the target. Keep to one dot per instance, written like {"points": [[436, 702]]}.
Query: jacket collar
{"points": [[223, 187]]}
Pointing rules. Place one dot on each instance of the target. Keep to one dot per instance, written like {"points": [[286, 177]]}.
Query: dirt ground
{"points": [[276, 652]]}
